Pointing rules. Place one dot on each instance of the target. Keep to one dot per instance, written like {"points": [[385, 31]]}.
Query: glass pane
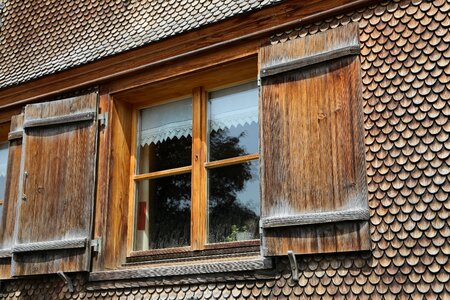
{"points": [[165, 136], [233, 203], [3, 164], [163, 212], [233, 121]]}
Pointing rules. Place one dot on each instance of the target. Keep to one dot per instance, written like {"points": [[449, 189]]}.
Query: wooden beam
{"points": [[49, 121], [198, 193], [231, 161], [164, 173], [316, 218], [50, 245], [234, 265], [257, 25], [309, 60]]}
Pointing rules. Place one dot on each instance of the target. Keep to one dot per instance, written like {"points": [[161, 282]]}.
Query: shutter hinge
{"points": [[259, 80], [96, 245], [103, 119]]}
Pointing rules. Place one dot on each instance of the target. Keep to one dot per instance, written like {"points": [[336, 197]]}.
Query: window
{"points": [[3, 167], [197, 171]]}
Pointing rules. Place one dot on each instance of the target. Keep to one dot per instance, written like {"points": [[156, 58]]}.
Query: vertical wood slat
{"points": [[198, 194], [11, 195], [58, 193], [101, 201], [312, 144]]}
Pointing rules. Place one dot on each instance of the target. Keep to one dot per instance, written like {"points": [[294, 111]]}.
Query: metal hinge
{"points": [[96, 245], [103, 119], [259, 80]]}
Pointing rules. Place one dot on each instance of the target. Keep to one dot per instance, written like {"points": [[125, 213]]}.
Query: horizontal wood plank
{"points": [[231, 161], [310, 60], [5, 253], [14, 135], [235, 265], [164, 173], [71, 118], [316, 218], [50, 245]]}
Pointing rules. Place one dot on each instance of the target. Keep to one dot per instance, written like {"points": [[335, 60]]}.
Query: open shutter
{"points": [[11, 195], [53, 227], [314, 186]]}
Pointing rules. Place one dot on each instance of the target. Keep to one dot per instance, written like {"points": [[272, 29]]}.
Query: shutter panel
{"points": [[11, 195], [54, 223], [314, 186]]}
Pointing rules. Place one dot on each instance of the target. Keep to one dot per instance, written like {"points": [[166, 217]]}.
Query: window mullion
{"points": [[198, 197]]}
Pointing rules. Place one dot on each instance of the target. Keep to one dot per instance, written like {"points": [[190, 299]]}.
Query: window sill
{"points": [[210, 267]]}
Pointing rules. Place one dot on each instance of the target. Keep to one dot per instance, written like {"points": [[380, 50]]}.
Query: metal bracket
{"points": [[96, 245], [103, 119], [293, 262], [66, 280]]}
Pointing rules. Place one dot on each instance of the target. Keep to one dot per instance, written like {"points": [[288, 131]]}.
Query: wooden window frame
{"points": [[198, 170]]}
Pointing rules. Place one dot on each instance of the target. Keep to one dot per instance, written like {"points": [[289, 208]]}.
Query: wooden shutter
{"points": [[54, 221], [313, 166], [11, 195]]}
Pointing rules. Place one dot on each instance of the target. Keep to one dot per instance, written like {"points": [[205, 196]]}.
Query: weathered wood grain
{"points": [[64, 119], [115, 228], [50, 245], [60, 161], [310, 239], [11, 195], [311, 59], [187, 269], [312, 144], [103, 165], [317, 218]]}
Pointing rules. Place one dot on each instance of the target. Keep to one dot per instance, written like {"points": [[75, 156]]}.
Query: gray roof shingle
{"points": [[41, 37]]}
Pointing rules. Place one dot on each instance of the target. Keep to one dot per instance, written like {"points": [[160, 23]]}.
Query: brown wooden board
{"points": [[58, 187], [312, 145], [11, 196]]}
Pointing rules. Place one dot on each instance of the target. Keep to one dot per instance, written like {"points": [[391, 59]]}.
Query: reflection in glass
{"points": [[233, 203], [233, 121], [3, 165], [165, 136], [163, 212]]}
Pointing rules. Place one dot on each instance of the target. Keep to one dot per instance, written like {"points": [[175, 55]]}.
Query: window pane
{"points": [[3, 164], [233, 203], [233, 121], [165, 139], [163, 212]]}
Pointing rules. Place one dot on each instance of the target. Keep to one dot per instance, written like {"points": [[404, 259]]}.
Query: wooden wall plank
{"points": [[115, 231]]}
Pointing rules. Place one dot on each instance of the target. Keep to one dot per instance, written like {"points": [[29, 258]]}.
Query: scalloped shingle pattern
{"points": [[405, 52], [39, 38]]}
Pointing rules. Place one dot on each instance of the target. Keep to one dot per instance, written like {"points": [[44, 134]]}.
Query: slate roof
{"points": [[41, 37]]}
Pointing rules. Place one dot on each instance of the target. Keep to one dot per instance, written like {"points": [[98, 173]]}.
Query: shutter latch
{"points": [[103, 119], [96, 245], [294, 267]]}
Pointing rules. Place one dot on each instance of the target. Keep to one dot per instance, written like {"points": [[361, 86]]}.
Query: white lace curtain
{"points": [[226, 108], [3, 159]]}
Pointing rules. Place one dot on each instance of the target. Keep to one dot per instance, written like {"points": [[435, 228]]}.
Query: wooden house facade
{"points": [[203, 149]]}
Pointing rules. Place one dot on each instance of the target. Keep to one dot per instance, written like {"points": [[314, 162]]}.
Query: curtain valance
{"points": [[226, 108]]}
